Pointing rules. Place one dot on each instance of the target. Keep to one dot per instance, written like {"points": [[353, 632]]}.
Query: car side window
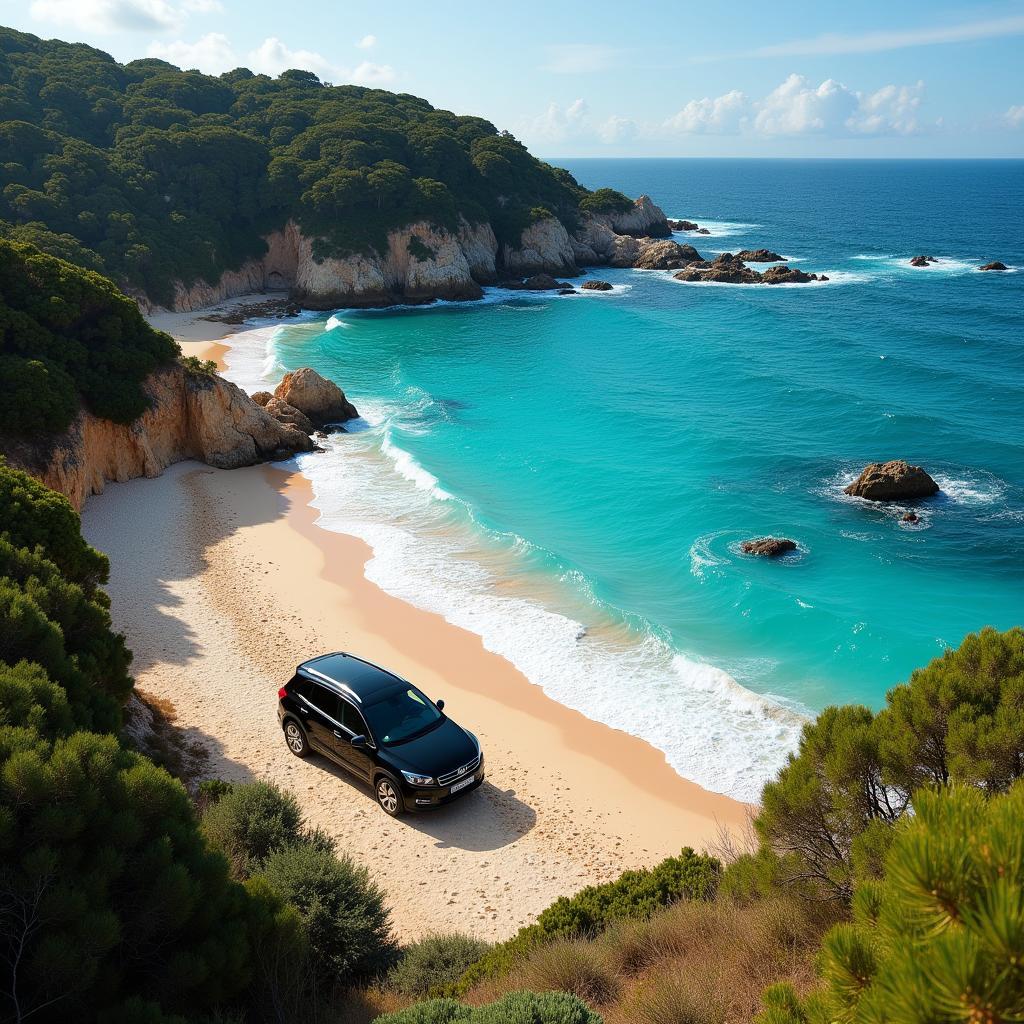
{"points": [[326, 701], [352, 720], [302, 686]]}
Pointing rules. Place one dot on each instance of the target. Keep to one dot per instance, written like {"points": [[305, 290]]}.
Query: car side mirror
{"points": [[440, 705], [358, 741]]}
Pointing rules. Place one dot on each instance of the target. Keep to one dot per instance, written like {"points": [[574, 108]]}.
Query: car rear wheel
{"points": [[389, 796], [295, 737]]}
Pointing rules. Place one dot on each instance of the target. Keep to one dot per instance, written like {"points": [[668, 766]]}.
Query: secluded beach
{"points": [[222, 583]]}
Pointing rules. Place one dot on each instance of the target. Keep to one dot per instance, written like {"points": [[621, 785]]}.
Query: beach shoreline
{"points": [[225, 577]]}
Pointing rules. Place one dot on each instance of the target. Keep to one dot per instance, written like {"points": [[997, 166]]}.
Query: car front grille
{"points": [[459, 773]]}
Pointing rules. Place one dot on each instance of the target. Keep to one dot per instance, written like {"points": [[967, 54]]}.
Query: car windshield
{"points": [[401, 715]]}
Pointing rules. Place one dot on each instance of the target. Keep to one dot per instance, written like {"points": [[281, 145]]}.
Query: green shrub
{"points": [[107, 888], [634, 894], [250, 822], [198, 367], [348, 925], [434, 963], [606, 200], [515, 1008], [940, 937]]}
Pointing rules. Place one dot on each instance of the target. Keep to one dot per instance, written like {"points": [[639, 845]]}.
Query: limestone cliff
{"points": [[423, 262], [192, 416]]}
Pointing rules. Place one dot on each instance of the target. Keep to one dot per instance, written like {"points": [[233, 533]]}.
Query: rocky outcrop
{"points": [[540, 283], [313, 396], [644, 220], [994, 265], [768, 547], [758, 256], [892, 481], [285, 413], [665, 255], [544, 247], [596, 286], [922, 261], [683, 225], [730, 269], [192, 416]]}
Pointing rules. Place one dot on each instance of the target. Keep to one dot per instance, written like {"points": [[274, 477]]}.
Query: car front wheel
{"points": [[295, 737], [388, 796]]}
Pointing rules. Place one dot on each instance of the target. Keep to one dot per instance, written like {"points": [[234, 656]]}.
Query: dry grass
{"points": [[695, 963]]}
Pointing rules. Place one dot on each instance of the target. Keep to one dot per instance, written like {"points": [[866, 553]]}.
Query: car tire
{"points": [[295, 737], [389, 795]]}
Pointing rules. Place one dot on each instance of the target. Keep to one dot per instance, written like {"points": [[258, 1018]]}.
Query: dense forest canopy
{"points": [[150, 173]]}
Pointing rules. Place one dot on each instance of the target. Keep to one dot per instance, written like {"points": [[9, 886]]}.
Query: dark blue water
{"points": [[574, 475]]}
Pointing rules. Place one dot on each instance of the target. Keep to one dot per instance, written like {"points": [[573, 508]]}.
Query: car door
{"points": [[360, 759], [322, 721]]}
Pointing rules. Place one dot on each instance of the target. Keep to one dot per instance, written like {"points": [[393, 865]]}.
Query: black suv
{"points": [[382, 729]]}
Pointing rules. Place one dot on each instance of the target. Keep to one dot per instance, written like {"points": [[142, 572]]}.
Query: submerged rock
{"points": [[596, 286], [321, 400], [910, 517], [922, 261], [892, 481], [768, 547], [994, 265], [758, 256]]}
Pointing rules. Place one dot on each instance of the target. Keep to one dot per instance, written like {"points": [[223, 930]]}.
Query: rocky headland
{"points": [[423, 262], [192, 415]]}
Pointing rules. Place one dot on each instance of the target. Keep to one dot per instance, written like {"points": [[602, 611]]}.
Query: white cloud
{"points": [[798, 107], [885, 39], [203, 6], [617, 129], [211, 53], [579, 58], [558, 123], [369, 73], [723, 114], [214, 54], [367, 42], [1014, 117], [272, 57], [110, 15]]}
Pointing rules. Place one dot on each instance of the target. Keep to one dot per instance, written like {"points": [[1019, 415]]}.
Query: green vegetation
{"points": [[606, 200], [829, 814], [941, 936], [109, 897], [152, 174], [515, 1008], [634, 894], [434, 963], [68, 336]]}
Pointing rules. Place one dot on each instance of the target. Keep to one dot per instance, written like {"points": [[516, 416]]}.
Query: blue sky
{"points": [[861, 79]]}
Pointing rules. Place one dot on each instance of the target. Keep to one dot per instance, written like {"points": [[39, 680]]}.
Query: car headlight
{"points": [[418, 780]]}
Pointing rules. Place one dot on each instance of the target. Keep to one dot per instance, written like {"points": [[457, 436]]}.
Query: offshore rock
{"points": [[596, 286], [768, 547], [995, 265], [922, 261], [730, 269], [758, 256], [892, 481]]}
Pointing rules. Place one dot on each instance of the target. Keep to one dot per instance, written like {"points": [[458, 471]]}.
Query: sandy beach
{"points": [[222, 583]]}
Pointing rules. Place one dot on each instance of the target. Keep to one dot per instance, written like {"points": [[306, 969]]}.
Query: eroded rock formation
{"points": [[892, 481], [192, 416], [313, 396], [730, 269]]}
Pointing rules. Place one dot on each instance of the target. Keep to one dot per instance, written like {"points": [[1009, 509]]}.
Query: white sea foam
{"points": [[711, 729], [716, 228]]}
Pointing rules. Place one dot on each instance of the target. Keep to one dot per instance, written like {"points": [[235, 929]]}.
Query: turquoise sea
{"points": [[570, 477]]}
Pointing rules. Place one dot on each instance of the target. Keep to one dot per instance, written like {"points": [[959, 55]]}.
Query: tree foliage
{"points": [[67, 335], [153, 174], [958, 720], [515, 1008], [941, 937]]}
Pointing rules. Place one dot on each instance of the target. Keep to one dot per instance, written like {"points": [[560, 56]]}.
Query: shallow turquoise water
{"points": [[570, 477]]}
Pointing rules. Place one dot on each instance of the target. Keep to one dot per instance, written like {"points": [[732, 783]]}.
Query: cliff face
{"points": [[191, 417], [424, 262]]}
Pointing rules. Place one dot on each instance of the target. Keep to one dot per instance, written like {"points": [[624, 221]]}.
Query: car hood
{"points": [[442, 750]]}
